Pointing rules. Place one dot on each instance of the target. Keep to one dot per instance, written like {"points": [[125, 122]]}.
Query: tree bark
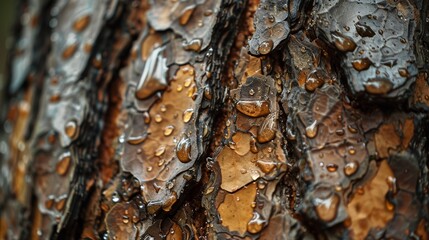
{"points": [[212, 119]]}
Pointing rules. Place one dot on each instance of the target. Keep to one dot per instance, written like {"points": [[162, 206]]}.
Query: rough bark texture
{"points": [[217, 119]]}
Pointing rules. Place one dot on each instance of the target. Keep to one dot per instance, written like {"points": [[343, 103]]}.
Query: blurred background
{"points": [[7, 10]]}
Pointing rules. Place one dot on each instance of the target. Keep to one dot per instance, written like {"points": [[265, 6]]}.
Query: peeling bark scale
{"points": [[216, 119]]}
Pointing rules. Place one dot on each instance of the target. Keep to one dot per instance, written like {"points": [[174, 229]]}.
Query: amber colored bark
{"points": [[216, 119]]}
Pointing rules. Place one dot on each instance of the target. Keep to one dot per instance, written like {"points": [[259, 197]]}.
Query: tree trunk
{"points": [[216, 119]]}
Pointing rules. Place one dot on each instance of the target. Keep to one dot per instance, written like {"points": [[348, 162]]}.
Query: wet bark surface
{"points": [[209, 119]]}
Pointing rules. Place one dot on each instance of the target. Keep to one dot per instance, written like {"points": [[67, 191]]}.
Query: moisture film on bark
{"points": [[216, 119]]}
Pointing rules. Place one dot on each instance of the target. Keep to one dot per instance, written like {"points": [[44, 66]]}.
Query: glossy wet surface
{"points": [[217, 120]]}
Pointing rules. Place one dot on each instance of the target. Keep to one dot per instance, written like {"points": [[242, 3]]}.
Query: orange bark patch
{"points": [[421, 90], [236, 209], [386, 139], [367, 209]]}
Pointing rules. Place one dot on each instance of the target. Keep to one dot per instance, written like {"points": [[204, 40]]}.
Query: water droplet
{"points": [[149, 169], [363, 30], [290, 134], [208, 12], [253, 108], [228, 123], [251, 92], [332, 167], [161, 162], [115, 197], [96, 61], [146, 117], [125, 219], [168, 130], [343, 43], [187, 115], [55, 98], [169, 185], [183, 150], [352, 129], [188, 82], [351, 168], [60, 204], [63, 164], [81, 23], [261, 184], [158, 118], [311, 131], [340, 132], [313, 81], [50, 202], [338, 188], [200, 23], [71, 128], [391, 182], [205, 130], [403, 72], [136, 140], [255, 224], [160, 151], [179, 87], [69, 51], [378, 86], [361, 64], [192, 92], [193, 45], [208, 92], [168, 204], [267, 130], [265, 47]]}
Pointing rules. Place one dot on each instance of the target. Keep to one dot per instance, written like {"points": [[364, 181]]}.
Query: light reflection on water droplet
{"points": [[81, 23], [183, 150], [332, 167], [265, 47], [351, 168], [158, 118], [69, 51], [63, 164], [342, 42], [168, 130], [160, 151], [187, 115], [311, 131], [71, 128], [256, 224]]}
